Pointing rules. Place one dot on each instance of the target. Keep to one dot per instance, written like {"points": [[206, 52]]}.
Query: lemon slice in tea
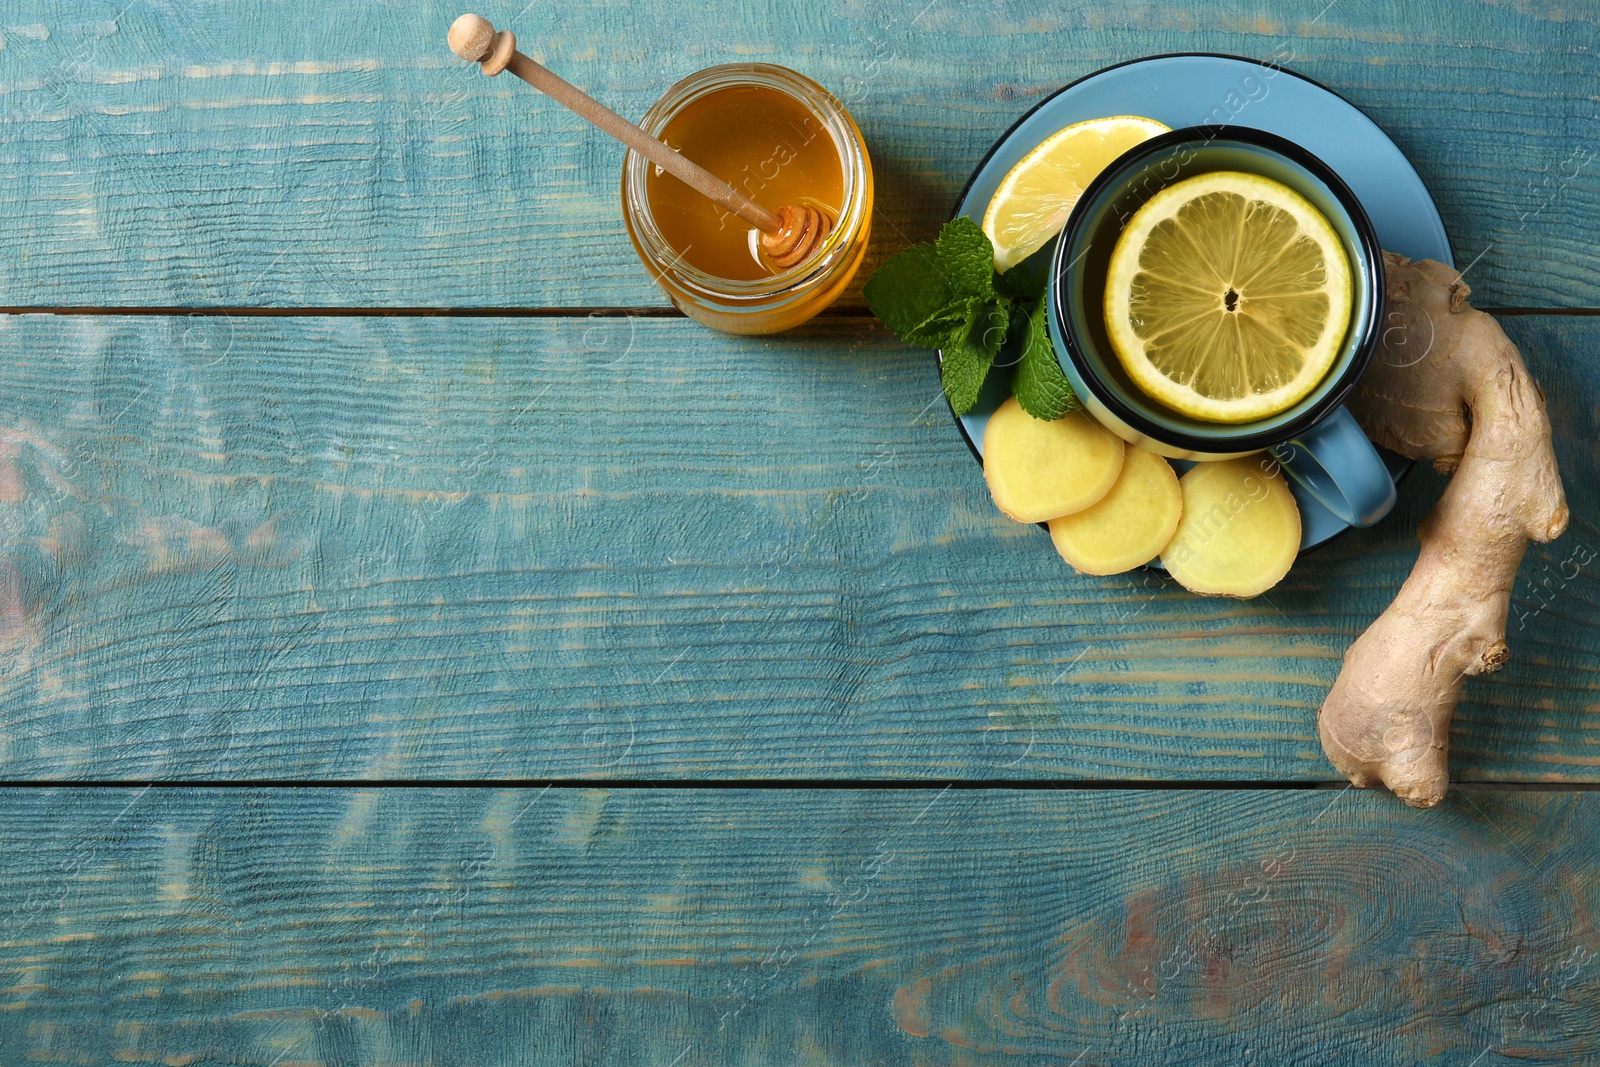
{"points": [[1228, 297], [1036, 196]]}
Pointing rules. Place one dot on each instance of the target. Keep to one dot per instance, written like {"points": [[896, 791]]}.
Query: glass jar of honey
{"points": [[777, 137]]}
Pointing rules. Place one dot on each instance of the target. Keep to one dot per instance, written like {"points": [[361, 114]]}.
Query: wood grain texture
{"points": [[408, 927], [378, 548], [298, 153]]}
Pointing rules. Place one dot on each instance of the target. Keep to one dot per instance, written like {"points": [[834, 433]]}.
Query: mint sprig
{"points": [[1040, 387], [947, 295]]}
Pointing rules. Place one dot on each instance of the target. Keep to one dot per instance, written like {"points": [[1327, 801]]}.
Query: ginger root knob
{"points": [[1447, 386]]}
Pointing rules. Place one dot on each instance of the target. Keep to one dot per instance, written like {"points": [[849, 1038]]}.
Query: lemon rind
{"points": [[1008, 256]]}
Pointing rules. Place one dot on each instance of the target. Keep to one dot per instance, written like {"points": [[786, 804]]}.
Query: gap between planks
{"points": [[1022, 785], [847, 312]]}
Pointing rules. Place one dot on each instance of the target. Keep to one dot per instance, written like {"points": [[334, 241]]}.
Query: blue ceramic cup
{"points": [[1317, 441]]}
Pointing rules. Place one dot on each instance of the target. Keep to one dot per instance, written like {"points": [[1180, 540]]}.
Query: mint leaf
{"points": [[966, 257], [946, 295], [1040, 387], [1022, 283], [963, 366], [923, 292], [968, 353], [936, 330], [991, 324], [909, 290]]}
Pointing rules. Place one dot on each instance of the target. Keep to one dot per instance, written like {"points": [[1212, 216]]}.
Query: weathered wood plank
{"points": [[301, 153], [396, 547], [663, 927]]}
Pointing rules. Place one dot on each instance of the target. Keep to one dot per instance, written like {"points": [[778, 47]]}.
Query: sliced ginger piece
{"points": [[1240, 530], [1130, 525], [1038, 470]]}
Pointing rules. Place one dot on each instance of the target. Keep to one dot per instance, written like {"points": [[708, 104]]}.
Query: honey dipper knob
{"points": [[473, 38]]}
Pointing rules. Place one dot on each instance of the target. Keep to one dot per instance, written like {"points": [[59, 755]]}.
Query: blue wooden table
{"points": [[420, 645]]}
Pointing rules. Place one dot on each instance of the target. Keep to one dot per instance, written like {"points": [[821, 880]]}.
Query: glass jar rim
{"points": [[816, 99]]}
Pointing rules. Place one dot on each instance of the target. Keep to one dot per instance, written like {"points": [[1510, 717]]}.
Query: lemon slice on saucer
{"points": [[1228, 297], [1034, 199]]}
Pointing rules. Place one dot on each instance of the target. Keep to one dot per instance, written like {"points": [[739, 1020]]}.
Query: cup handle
{"points": [[1357, 488]]}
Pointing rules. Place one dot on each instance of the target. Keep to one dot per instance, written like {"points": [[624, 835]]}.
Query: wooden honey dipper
{"points": [[789, 236]]}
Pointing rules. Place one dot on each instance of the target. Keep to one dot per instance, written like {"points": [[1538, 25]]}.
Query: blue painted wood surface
{"points": [[808, 927], [161, 153], [395, 548]]}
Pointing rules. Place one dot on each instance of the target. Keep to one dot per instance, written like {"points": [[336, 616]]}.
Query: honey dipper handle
{"points": [[473, 38]]}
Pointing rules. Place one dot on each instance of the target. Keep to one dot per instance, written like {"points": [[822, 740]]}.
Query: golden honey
{"points": [[778, 138], [767, 145]]}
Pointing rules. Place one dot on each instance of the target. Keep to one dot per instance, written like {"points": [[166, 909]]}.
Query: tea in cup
{"points": [[1197, 357]]}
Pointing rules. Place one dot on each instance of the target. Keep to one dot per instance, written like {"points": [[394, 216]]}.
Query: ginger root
{"points": [[1446, 385]]}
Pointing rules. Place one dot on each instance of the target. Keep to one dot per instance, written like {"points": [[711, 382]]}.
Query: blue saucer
{"points": [[1188, 90]]}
